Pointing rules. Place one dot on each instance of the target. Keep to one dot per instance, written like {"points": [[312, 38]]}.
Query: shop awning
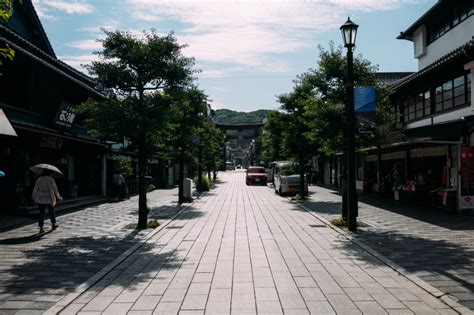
{"points": [[5, 127], [452, 129]]}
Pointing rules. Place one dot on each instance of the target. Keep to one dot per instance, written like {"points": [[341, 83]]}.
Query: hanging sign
{"points": [[364, 106], [467, 178], [66, 115]]}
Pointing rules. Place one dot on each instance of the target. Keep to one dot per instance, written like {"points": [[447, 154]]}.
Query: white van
{"points": [[287, 179]]}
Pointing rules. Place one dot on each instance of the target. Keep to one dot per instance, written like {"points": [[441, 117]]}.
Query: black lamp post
{"points": [[349, 33]]}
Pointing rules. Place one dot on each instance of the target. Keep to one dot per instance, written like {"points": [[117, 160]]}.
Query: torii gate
{"points": [[240, 142]]}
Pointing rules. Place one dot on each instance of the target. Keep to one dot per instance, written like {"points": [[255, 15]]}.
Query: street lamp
{"points": [[349, 34]]}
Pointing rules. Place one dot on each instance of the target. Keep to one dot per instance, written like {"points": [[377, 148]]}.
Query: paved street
{"points": [[436, 246], [244, 250], [36, 271]]}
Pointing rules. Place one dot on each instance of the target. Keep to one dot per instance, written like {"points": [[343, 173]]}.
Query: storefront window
{"points": [[453, 93]]}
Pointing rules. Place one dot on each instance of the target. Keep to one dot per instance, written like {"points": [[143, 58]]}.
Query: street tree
{"points": [[326, 117], [211, 139], [137, 75], [272, 134], [187, 113], [297, 142]]}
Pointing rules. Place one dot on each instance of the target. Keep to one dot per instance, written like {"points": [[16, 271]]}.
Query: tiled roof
{"points": [[20, 44], [388, 78], [464, 50]]}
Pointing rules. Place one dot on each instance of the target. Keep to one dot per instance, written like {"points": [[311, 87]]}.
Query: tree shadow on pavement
{"points": [[437, 262], [324, 207], [431, 215], [57, 267]]}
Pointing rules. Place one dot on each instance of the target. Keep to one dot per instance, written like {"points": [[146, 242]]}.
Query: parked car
{"points": [[230, 166], [256, 175], [239, 167], [287, 179]]}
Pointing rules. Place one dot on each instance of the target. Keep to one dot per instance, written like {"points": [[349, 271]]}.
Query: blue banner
{"points": [[364, 106]]}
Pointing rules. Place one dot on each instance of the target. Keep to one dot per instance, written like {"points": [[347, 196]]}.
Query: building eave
{"points": [[408, 33], [459, 52], [21, 45]]}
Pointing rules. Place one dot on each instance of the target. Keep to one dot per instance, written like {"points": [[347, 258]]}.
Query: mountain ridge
{"points": [[231, 117]]}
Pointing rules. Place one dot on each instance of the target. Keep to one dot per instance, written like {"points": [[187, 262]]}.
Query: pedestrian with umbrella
{"points": [[45, 193]]}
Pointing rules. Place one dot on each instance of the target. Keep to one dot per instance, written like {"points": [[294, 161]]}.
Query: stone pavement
{"points": [[244, 250], [436, 246], [38, 270]]}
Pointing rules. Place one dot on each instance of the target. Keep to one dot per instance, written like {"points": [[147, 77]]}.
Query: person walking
{"points": [[119, 186], [46, 195]]}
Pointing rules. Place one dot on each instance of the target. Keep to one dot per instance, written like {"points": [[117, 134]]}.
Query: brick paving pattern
{"points": [[436, 246], [243, 250], [37, 271]]}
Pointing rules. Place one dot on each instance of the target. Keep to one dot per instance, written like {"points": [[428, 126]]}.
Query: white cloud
{"points": [[211, 73], [45, 7], [251, 33], [88, 44], [79, 60]]}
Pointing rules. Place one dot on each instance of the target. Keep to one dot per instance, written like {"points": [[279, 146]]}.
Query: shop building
{"points": [[428, 155], [38, 95]]}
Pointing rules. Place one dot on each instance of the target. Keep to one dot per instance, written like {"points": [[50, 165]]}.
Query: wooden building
{"points": [[38, 95]]}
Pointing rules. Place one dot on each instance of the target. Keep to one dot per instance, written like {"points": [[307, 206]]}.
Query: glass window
{"points": [[468, 87], [411, 108], [448, 95], [439, 99], [419, 105], [458, 81], [405, 112], [427, 103]]}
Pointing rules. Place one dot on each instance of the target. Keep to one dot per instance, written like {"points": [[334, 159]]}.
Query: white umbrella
{"points": [[39, 168], [5, 126]]}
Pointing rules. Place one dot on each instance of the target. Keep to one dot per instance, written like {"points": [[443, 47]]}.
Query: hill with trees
{"points": [[227, 116]]}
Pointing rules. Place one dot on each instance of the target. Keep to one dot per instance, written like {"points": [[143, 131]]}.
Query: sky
{"points": [[248, 51]]}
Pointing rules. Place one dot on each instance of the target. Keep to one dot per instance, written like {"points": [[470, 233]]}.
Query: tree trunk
{"points": [[302, 177], [214, 175], [142, 204], [344, 189], [181, 177], [200, 185]]}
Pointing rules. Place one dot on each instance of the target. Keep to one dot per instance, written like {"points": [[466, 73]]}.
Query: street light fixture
{"points": [[349, 34]]}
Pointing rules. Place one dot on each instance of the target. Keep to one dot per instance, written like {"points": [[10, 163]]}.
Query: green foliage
{"points": [[6, 10], [327, 86], [339, 222], [206, 184], [140, 76], [152, 224], [124, 167], [272, 149], [150, 188], [290, 169], [227, 116], [299, 197]]}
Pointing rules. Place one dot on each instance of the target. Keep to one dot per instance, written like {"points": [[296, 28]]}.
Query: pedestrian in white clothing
{"points": [[46, 195]]}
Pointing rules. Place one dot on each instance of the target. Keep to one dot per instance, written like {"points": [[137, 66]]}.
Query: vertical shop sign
{"points": [[364, 103], [467, 178], [66, 115]]}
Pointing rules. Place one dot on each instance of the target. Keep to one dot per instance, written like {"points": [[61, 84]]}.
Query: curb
{"points": [[70, 297], [402, 271]]}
